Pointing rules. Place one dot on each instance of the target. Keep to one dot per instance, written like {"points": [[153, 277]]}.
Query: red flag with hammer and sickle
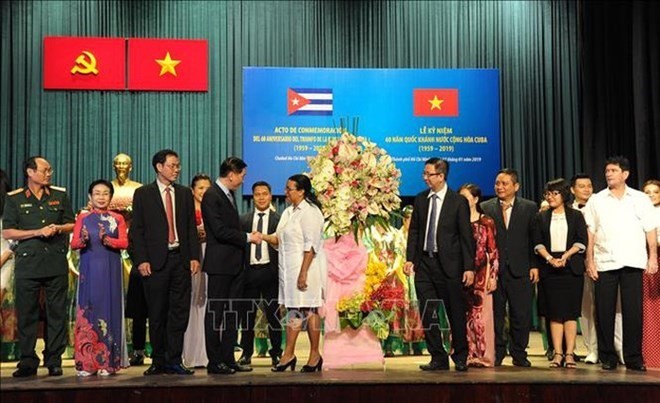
{"points": [[79, 63]]}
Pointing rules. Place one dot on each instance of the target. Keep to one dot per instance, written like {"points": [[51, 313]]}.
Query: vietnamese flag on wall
{"points": [[78, 63], [168, 64], [435, 102]]}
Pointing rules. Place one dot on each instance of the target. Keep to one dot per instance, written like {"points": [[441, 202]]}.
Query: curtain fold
{"points": [[534, 44], [621, 87]]}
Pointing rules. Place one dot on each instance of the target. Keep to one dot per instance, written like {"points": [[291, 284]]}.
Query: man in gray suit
{"points": [[514, 217]]}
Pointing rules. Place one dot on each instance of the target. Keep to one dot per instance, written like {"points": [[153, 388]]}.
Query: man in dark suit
{"points": [[261, 283], [441, 251], [224, 264], [514, 222], [165, 249]]}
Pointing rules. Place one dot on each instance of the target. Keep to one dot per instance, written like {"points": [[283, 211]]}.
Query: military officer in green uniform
{"points": [[40, 218]]}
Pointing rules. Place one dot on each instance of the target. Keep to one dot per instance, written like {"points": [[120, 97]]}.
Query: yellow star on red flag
{"points": [[167, 65], [436, 103]]}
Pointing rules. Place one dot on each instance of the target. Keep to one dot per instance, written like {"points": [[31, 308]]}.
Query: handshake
{"points": [[256, 237]]}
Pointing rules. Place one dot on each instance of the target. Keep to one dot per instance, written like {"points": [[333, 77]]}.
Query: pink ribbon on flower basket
{"points": [[347, 262]]}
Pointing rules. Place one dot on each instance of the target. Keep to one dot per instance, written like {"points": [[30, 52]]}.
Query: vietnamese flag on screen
{"points": [[79, 63], [168, 64], [435, 102]]}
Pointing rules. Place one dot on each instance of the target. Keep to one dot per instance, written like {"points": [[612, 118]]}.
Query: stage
{"points": [[399, 380]]}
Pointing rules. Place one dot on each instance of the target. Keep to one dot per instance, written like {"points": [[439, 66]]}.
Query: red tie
{"points": [[169, 210]]}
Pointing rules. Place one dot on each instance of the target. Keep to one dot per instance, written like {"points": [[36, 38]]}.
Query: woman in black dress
{"points": [[560, 238]]}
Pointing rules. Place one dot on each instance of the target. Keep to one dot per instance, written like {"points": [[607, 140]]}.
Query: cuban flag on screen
{"points": [[309, 101]]}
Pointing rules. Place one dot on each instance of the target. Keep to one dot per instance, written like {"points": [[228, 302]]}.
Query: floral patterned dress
{"points": [[480, 323], [100, 342]]}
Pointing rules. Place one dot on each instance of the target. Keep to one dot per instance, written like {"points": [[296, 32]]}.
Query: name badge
{"points": [[26, 205]]}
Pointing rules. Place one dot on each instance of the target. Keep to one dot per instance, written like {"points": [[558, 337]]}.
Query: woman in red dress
{"points": [[480, 324], [651, 292]]}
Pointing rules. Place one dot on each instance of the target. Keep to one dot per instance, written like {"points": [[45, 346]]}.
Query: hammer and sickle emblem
{"points": [[85, 65]]}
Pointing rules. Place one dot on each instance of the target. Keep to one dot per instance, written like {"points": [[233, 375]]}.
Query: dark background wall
{"points": [[574, 89]]}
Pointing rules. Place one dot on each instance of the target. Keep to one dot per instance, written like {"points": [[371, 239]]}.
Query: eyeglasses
{"points": [[428, 174], [288, 189], [553, 193], [174, 167], [44, 172]]}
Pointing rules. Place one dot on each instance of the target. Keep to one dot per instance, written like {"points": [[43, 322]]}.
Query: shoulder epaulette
{"points": [[58, 188], [15, 191]]}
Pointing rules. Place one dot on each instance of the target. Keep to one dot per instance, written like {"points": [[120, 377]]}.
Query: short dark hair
{"points": [[261, 183], [161, 156], [232, 164], [577, 176], [101, 182], [440, 165], [199, 177], [511, 172], [560, 185], [619, 160], [30, 163]]}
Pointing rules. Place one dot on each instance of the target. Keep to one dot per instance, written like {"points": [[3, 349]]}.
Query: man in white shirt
{"points": [[621, 225], [582, 188]]}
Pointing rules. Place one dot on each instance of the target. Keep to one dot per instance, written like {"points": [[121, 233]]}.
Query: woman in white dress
{"points": [[302, 270], [194, 346]]}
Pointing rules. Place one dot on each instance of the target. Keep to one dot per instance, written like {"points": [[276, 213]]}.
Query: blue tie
{"points": [[430, 233]]}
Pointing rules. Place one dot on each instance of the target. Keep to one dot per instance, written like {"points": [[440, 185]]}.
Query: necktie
{"points": [[169, 210], [430, 233], [581, 206], [505, 207], [260, 228]]}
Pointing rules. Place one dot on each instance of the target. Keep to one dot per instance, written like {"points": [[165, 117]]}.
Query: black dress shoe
{"points": [[244, 361], [522, 363], [154, 370], [460, 366], [435, 366], [609, 366], [498, 363], [55, 371], [241, 368], [636, 367], [275, 359], [136, 360], [178, 369], [219, 369], [550, 354], [23, 372]]}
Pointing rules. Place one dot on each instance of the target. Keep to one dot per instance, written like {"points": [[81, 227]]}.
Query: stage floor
{"points": [[399, 370]]}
